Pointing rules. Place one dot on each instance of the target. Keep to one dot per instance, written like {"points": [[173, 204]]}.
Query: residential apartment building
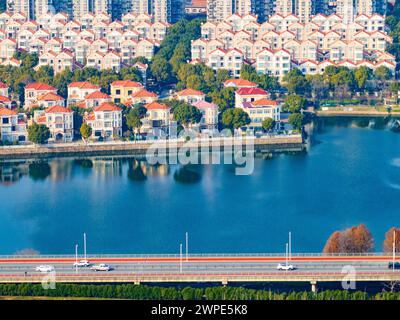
{"points": [[170, 11], [209, 112], [249, 95], [22, 6], [219, 10], [190, 96], [284, 42], [78, 91], [59, 120]]}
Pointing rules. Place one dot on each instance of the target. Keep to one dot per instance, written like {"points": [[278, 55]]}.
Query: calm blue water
{"points": [[349, 175]]}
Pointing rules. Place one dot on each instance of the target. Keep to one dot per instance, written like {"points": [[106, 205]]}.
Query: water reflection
{"points": [[12, 172], [187, 175], [39, 170]]}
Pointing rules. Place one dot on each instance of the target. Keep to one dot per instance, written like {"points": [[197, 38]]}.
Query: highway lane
{"points": [[200, 267]]}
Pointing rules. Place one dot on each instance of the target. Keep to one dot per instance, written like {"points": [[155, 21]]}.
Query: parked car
{"points": [[101, 267], [45, 268]]}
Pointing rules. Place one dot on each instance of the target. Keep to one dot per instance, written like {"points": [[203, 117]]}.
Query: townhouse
{"points": [[157, 117], [35, 90], [121, 90], [249, 95], [60, 122], [190, 95], [13, 126], [261, 109], [3, 89], [78, 91], [209, 112], [94, 41], [105, 121], [285, 41]]}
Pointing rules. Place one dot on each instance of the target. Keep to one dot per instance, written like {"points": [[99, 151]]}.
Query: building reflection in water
{"points": [[140, 170], [105, 168], [11, 172]]}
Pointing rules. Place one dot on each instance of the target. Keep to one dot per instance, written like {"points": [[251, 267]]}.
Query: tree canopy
{"points": [[38, 133]]}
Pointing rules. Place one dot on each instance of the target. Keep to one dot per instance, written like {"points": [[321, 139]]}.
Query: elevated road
{"points": [[201, 268]]}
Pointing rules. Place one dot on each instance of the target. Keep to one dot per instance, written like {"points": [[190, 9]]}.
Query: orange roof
{"points": [[156, 106], [58, 109], [265, 102], [144, 93], [250, 91], [126, 83], [240, 83], [40, 86], [4, 99], [50, 97], [83, 85], [106, 106], [97, 95], [7, 112], [190, 92]]}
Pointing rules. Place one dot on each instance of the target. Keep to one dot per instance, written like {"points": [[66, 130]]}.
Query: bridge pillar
{"points": [[224, 282], [137, 282], [313, 286]]}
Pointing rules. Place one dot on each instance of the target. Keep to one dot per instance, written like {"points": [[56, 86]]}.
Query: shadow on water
{"points": [[84, 163], [135, 171]]}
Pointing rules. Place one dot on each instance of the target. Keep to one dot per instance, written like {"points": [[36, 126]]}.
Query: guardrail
{"points": [[195, 255]]}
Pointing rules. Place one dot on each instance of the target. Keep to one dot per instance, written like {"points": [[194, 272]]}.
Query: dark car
{"points": [[396, 265]]}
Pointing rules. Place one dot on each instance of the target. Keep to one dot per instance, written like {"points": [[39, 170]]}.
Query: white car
{"points": [[82, 264], [286, 267], [101, 267], [45, 268]]}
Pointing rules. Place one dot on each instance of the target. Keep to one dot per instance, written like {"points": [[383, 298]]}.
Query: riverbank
{"points": [[361, 111], [277, 143]]}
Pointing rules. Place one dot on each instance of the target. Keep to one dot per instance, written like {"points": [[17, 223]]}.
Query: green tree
{"points": [[161, 69], [38, 133], [361, 76], [134, 116], [234, 118], [86, 131], [296, 120], [186, 114], [296, 82], [224, 98], [294, 103], [268, 124]]}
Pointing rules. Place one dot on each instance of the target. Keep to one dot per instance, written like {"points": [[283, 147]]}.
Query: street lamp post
{"points": [[180, 258], [76, 258], [290, 246], [187, 246], [394, 249]]}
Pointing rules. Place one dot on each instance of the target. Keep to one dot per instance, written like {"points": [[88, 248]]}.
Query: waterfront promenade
{"points": [[311, 268], [272, 143]]}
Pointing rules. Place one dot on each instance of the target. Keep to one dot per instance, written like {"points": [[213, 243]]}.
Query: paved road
{"points": [[207, 267]]}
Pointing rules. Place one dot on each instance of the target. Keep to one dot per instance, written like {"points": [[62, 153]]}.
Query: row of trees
{"points": [[358, 239], [141, 292]]}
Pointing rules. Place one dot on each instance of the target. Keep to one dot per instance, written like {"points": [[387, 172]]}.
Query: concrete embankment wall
{"points": [[278, 144]]}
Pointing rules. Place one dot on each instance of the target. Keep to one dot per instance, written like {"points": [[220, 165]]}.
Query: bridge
{"points": [[224, 269]]}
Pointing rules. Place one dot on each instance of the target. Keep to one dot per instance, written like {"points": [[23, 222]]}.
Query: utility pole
{"points": [[180, 258], [187, 246], [287, 247], [84, 245]]}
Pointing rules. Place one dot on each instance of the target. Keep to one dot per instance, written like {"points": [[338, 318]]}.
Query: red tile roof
{"points": [[240, 83], [4, 99], [144, 94], [156, 106], [126, 83], [7, 112], [105, 106], [40, 86], [50, 97], [83, 85], [3, 85], [251, 91], [97, 95], [264, 102], [58, 109], [189, 92]]}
